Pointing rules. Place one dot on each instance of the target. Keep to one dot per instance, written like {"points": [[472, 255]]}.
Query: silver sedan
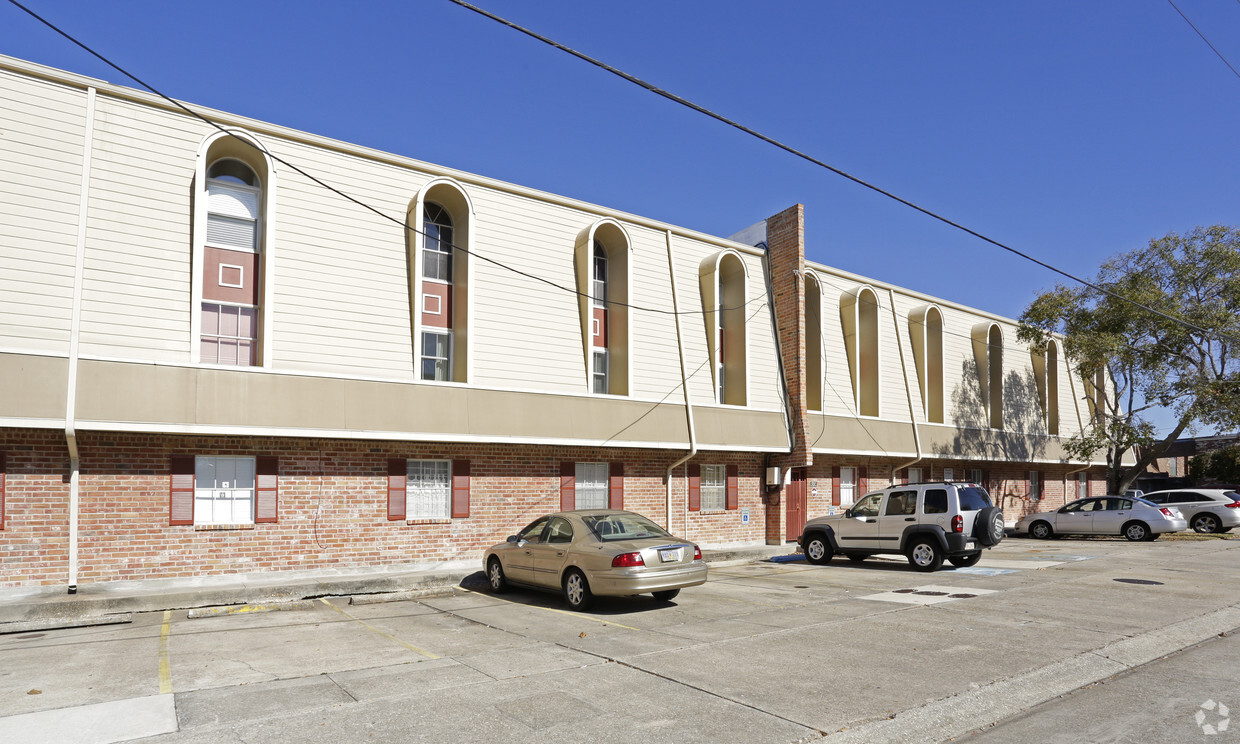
{"points": [[590, 552], [1134, 518]]}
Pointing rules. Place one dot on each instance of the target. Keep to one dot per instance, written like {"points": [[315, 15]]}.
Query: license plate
{"points": [[669, 555], [969, 545]]}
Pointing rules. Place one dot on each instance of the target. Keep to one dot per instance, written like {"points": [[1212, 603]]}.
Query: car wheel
{"points": [[817, 550], [577, 590], [988, 526], [1041, 530], [964, 561], [496, 577], [924, 555], [1204, 523], [666, 595], [1136, 531], [857, 557]]}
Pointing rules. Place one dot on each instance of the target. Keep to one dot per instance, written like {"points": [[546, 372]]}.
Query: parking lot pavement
{"points": [[763, 652]]}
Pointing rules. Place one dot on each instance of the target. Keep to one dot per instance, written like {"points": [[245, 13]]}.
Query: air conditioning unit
{"points": [[772, 476]]}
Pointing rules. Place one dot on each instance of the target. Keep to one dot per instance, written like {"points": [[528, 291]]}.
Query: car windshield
{"points": [[611, 527]]}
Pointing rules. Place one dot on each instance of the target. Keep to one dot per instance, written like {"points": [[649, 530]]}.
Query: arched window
{"points": [[601, 258], [925, 328], [439, 281], [230, 248], [813, 342], [723, 281], [988, 353], [859, 316], [1046, 375]]}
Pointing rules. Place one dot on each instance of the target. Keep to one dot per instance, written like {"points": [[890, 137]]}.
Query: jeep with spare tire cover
{"points": [[926, 522]]}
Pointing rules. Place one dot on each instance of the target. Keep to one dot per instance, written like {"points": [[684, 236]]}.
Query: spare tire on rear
{"points": [[988, 526]]}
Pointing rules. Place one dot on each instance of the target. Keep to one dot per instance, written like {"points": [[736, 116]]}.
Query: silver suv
{"points": [[926, 522], [1206, 509]]}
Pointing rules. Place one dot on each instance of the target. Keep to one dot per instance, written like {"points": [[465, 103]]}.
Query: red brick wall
{"points": [[332, 510]]}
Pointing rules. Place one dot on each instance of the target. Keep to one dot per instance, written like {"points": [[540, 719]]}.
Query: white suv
{"points": [[926, 522], [1206, 509]]}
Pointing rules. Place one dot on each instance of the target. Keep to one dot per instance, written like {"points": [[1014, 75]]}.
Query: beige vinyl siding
{"points": [[41, 148], [837, 393], [526, 334], [341, 301], [136, 291], [655, 368]]}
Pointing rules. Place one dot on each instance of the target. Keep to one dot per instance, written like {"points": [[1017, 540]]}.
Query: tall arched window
{"points": [[988, 353], [439, 283], [813, 342], [601, 260], [723, 281], [925, 328], [859, 316], [232, 263], [1046, 375]]}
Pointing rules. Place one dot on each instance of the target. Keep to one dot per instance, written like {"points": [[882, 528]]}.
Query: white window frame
{"points": [[949, 474], [600, 380], [428, 489], [1082, 485], [598, 287], [1035, 484], [210, 500], [714, 488], [591, 485], [438, 251], [914, 475], [425, 358], [217, 336]]}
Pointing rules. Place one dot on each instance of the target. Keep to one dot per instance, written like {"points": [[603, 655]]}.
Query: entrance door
{"points": [[797, 500]]}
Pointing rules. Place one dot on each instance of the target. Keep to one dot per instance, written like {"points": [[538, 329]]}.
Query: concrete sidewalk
{"points": [[47, 607]]}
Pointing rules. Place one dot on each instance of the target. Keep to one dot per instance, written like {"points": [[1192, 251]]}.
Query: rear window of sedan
{"points": [[973, 498], [611, 527]]}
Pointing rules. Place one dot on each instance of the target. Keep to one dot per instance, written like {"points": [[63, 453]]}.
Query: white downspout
{"points": [[908, 391], [74, 334], [684, 385]]}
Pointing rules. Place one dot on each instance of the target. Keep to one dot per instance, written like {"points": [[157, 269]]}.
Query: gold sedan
{"points": [[595, 552]]}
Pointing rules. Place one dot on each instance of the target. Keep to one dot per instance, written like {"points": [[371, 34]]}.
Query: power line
{"points": [[1203, 38], [359, 202], [798, 153]]}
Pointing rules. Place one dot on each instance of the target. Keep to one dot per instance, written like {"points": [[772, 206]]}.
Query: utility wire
{"points": [[792, 150], [359, 202], [1203, 38]]}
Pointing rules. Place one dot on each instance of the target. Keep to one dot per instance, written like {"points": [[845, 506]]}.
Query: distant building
{"points": [[211, 365]]}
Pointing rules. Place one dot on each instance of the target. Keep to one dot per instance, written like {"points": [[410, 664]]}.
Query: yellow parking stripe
{"points": [[165, 672], [376, 631]]}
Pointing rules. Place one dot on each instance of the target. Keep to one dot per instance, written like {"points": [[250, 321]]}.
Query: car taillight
{"points": [[627, 560], [1233, 505], [697, 553], [957, 523], [1166, 511]]}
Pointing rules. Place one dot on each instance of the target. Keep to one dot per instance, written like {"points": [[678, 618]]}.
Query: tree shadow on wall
{"points": [[1023, 437]]}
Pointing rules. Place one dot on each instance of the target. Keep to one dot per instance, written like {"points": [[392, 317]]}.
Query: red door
{"points": [[796, 498]]}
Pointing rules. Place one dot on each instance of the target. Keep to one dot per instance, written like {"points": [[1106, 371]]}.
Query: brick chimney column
{"points": [[785, 240]]}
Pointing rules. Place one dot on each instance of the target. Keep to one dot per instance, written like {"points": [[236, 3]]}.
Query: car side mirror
{"points": [[514, 539]]}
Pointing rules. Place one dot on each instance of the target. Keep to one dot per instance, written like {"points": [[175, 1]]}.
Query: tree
{"points": [[1220, 466], [1131, 360]]}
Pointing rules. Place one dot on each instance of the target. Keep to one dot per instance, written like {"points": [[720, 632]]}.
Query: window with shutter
{"points": [[428, 489], [460, 489], [734, 487], [695, 487], [3, 472], [714, 487], [591, 484], [568, 486], [181, 490], [267, 487], [397, 470], [616, 494]]}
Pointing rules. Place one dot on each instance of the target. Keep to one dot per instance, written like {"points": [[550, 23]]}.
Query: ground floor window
{"points": [[914, 475], [848, 486], [224, 490], [591, 485], [1035, 484], [1082, 485], [714, 487], [428, 489]]}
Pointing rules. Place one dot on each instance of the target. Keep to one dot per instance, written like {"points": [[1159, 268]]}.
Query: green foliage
{"points": [[1186, 362], [1221, 465]]}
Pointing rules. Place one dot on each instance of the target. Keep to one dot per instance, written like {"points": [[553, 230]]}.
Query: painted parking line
{"points": [[165, 670], [928, 595]]}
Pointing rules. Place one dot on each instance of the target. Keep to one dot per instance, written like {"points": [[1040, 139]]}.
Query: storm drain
{"points": [[1144, 582]]}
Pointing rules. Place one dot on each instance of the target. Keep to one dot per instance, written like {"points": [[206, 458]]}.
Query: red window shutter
{"points": [[835, 485], [398, 473], [568, 486], [3, 470], [902, 476], [615, 493], [734, 487], [863, 480], [181, 490], [695, 487], [460, 489], [267, 489]]}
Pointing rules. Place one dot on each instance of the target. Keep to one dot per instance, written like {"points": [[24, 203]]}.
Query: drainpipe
{"points": [[908, 391], [74, 333], [684, 386]]}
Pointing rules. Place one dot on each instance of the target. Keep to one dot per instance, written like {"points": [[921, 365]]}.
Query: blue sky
{"points": [[1069, 130]]}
